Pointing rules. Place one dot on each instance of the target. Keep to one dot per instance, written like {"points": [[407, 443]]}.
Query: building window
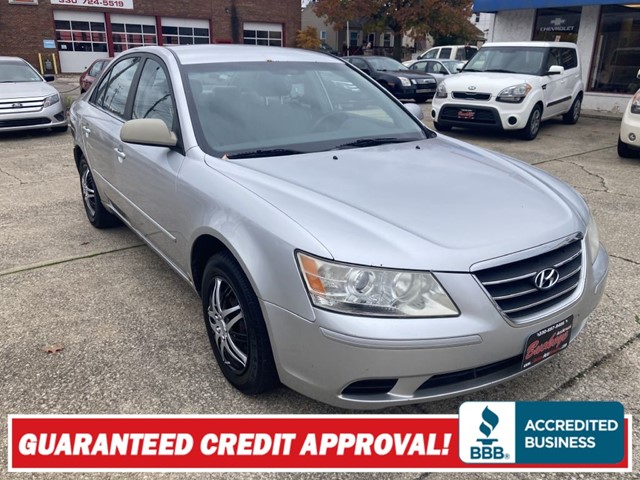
{"points": [[617, 55], [263, 34], [477, 18], [130, 35], [77, 36], [323, 35], [386, 40], [353, 39], [177, 31], [558, 24]]}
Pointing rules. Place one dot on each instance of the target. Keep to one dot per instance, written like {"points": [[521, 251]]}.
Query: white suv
{"points": [[512, 86]]}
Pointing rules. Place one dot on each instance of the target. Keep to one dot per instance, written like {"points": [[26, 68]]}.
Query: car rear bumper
{"points": [[370, 363]]}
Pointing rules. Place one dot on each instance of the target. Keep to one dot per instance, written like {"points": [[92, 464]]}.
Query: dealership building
{"points": [[67, 35], [607, 34]]}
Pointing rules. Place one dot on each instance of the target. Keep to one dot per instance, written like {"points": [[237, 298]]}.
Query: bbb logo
{"points": [[487, 432], [488, 451]]}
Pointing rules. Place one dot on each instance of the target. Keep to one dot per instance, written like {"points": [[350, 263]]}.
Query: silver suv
{"points": [[337, 244]]}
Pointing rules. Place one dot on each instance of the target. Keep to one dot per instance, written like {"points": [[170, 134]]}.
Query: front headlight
{"points": [[514, 94], [441, 91], [593, 239], [361, 290], [635, 103], [405, 81], [51, 100]]}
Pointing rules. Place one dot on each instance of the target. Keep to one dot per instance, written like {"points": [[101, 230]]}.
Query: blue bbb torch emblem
{"points": [[489, 422]]}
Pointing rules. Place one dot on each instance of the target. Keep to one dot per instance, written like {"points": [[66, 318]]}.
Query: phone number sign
{"points": [[123, 4]]}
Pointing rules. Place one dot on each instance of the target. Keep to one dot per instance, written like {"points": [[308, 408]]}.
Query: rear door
{"points": [[100, 125], [553, 86], [572, 74]]}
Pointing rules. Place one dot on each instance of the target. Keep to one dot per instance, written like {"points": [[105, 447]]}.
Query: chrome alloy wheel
{"points": [[228, 325], [89, 192]]}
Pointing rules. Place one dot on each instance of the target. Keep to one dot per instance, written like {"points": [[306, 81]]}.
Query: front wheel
{"points": [[572, 116], [236, 327], [530, 131]]}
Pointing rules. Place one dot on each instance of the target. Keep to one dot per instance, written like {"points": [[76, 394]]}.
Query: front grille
{"points": [[512, 286], [425, 81], [451, 378], [471, 96], [25, 122], [21, 105], [483, 116]]}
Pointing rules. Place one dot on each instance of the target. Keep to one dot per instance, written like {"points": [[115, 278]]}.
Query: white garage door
{"points": [[81, 39]]}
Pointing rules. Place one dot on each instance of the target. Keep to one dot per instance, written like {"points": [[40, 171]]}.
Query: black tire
{"points": [[625, 151], [572, 116], [242, 350], [60, 129], [97, 215], [530, 131], [441, 128]]}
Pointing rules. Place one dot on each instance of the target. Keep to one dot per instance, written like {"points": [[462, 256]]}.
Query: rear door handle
{"points": [[120, 153]]}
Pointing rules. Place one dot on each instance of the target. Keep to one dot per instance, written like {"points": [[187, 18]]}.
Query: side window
{"points": [[432, 53], [113, 91], [553, 59], [445, 53], [153, 98], [569, 58], [437, 68], [359, 63]]}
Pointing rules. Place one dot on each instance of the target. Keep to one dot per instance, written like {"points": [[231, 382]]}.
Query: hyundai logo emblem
{"points": [[472, 87], [547, 278], [16, 105]]}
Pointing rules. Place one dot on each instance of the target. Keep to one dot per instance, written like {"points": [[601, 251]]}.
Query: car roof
{"points": [[530, 44], [196, 54], [12, 59]]}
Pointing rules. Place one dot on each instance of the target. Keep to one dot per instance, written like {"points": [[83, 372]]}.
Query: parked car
{"points": [[338, 245], [439, 69], [27, 102], [395, 77], [629, 139], [452, 52], [512, 86], [92, 73]]}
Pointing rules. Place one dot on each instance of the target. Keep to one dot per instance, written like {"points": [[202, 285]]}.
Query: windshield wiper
{"points": [[498, 70], [274, 152], [470, 70], [372, 142]]}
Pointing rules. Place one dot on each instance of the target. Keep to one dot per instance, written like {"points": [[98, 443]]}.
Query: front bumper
{"points": [[419, 359], [630, 125], [414, 91], [487, 114], [52, 116]]}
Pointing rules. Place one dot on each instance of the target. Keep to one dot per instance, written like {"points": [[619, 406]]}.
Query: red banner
{"points": [[170, 443]]}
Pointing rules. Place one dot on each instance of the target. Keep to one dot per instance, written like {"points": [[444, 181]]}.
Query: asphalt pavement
{"points": [[133, 336]]}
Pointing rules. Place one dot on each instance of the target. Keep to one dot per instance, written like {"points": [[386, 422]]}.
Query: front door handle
{"points": [[120, 153], [86, 130]]}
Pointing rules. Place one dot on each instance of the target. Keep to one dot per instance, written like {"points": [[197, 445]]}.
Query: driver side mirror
{"points": [[415, 110], [49, 78], [555, 70], [148, 131]]}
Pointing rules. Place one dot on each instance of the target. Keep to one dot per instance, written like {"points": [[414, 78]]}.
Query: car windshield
{"points": [[261, 109], [526, 60], [17, 72], [384, 63]]}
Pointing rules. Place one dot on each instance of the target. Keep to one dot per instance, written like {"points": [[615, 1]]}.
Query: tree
{"points": [[308, 38], [411, 17]]}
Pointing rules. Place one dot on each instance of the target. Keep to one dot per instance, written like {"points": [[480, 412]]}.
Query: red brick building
{"points": [[73, 33]]}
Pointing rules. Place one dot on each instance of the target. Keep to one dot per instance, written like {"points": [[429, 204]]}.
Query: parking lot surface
{"points": [[132, 331]]}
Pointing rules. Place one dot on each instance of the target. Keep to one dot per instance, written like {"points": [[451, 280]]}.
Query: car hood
{"points": [[26, 89], [444, 206], [487, 82]]}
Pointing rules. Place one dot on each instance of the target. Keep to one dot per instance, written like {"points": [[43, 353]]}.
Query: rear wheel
{"points": [[625, 151], [236, 327], [572, 116], [97, 215], [442, 128], [530, 131]]}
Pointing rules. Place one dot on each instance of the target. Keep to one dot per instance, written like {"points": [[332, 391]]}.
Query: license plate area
{"points": [[466, 114], [547, 342]]}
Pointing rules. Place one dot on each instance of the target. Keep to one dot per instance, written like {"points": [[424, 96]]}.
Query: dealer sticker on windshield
{"points": [[548, 341]]}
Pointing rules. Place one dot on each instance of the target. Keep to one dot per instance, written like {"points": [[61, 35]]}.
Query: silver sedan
{"points": [[338, 245]]}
